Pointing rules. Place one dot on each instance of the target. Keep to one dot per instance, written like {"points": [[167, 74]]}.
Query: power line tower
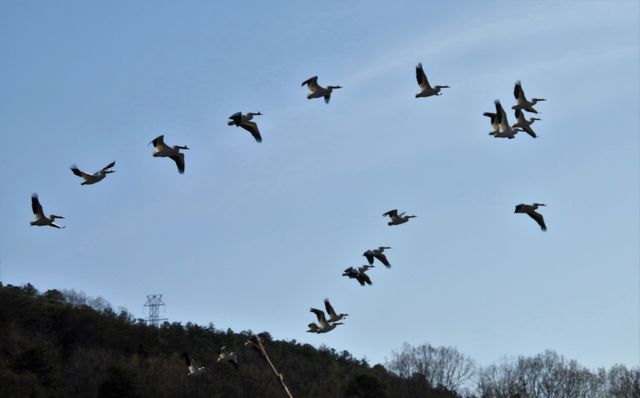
{"points": [[154, 302]]}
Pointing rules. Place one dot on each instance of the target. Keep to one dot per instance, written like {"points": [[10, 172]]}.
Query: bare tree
{"points": [[546, 375], [623, 382], [441, 366]]}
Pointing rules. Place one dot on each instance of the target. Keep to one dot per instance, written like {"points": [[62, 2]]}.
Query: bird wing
{"points": [[422, 77], [234, 360], [187, 359], [158, 142], [530, 131], [518, 113], [492, 116], [369, 255], [109, 166], [252, 127], [192, 364], [383, 259], [391, 213], [518, 93], [312, 83], [79, 172], [539, 219], [501, 116], [364, 278], [320, 315], [329, 308], [179, 159], [236, 117], [36, 206]]}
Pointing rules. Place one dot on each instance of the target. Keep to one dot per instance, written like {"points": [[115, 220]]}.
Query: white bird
{"points": [[192, 366], [523, 103], [333, 316], [95, 177], [524, 124], [165, 151], [531, 211], [239, 119], [323, 326], [317, 91], [427, 90], [504, 128], [42, 220], [378, 254], [230, 357], [396, 218]]}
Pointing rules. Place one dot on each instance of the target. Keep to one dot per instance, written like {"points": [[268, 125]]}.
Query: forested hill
{"points": [[50, 347]]}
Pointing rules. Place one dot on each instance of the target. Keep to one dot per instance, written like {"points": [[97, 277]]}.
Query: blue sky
{"points": [[252, 235]]}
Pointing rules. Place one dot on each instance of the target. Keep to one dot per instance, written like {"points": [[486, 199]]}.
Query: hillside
{"points": [[51, 348]]}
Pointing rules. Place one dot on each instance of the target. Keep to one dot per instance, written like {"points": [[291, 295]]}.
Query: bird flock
{"points": [[328, 321]]}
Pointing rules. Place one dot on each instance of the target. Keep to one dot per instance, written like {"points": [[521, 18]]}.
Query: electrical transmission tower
{"points": [[154, 302]]}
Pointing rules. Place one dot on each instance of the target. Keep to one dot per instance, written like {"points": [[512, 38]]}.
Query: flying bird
{"points": [[323, 326], [427, 90], [531, 211], [333, 316], [317, 91], [523, 103], [524, 124], [95, 177], [504, 128], [164, 151], [359, 274], [377, 254], [239, 119], [396, 218], [193, 368], [231, 357], [42, 220]]}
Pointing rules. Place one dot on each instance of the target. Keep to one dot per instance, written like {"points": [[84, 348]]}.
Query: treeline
{"points": [[54, 344], [546, 375], [66, 344]]}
